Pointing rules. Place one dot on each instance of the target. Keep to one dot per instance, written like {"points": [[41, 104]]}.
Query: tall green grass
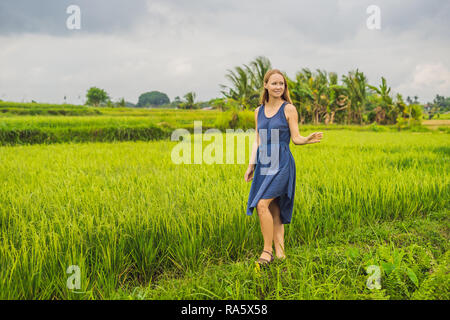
{"points": [[412, 256], [156, 124], [127, 215]]}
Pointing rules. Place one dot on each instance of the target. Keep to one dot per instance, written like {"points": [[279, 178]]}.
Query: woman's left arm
{"points": [[292, 118]]}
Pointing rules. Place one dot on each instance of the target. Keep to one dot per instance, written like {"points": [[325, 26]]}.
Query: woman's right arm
{"points": [[255, 142]]}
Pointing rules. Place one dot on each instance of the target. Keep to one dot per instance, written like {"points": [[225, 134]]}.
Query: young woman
{"points": [[273, 187]]}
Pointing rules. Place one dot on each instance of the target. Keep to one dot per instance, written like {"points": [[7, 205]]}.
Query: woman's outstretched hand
{"points": [[249, 174], [314, 137]]}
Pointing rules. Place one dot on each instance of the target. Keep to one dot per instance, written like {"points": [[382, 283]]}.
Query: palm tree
{"points": [[190, 98], [320, 93], [400, 105], [241, 88], [338, 98], [386, 106], [409, 100], [356, 83], [301, 93], [258, 69], [246, 82]]}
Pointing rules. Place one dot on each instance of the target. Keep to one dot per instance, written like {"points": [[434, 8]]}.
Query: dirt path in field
{"points": [[433, 124]]}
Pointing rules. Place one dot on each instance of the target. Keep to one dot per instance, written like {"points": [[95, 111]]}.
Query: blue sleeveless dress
{"points": [[274, 174]]}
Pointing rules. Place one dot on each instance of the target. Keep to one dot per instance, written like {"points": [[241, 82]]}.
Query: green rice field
{"points": [[138, 226]]}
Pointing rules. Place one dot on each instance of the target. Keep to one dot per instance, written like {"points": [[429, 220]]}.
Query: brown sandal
{"points": [[263, 262]]}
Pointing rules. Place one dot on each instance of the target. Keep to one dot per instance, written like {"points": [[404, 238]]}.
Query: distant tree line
{"points": [[439, 105], [319, 96], [153, 99]]}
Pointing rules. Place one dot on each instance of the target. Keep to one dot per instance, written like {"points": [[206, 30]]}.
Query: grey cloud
{"points": [[49, 16], [321, 22], [329, 21], [177, 45], [425, 18]]}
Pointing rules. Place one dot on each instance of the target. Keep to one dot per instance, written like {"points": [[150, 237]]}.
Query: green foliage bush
{"points": [[411, 272], [81, 134], [235, 120], [222, 121], [153, 98], [84, 111], [246, 120], [436, 285], [96, 96], [444, 129], [377, 128]]}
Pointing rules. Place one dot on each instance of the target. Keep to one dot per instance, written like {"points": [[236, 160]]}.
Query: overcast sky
{"points": [[176, 46]]}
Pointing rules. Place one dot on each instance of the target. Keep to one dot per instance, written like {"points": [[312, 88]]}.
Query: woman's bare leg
{"points": [[278, 229], [266, 220]]}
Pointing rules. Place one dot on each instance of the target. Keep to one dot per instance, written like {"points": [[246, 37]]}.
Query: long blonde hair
{"points": [[264, 97]]}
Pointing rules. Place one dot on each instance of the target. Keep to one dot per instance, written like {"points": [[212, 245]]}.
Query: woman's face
{"points": [[275, 85]]}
